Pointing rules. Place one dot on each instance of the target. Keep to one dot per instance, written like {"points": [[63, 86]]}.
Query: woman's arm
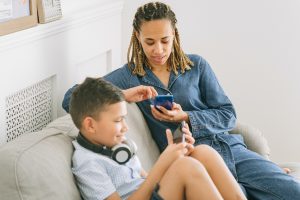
{"points": [[219, 115], [201, 102], [67, 98]]}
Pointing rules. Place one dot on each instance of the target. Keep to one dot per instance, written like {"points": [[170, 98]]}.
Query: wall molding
{"points": [[71, 19]]}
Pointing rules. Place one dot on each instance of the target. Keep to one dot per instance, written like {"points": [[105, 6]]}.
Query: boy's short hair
{"points": [[91, 97]]}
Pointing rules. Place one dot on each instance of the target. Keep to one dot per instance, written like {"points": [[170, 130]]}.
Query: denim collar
{"points": [[152, 79]]}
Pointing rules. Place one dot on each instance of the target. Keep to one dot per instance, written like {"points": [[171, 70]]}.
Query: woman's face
{"points": [[156, 38]]}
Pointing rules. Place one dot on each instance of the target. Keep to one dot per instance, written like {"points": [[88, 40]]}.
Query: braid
{"points": [[136, 57]]}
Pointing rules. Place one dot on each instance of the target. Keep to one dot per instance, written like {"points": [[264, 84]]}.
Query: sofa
{"points": [[38, 165]]}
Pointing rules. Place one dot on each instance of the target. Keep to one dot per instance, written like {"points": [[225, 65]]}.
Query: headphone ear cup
{"points": [[131, 144], [121, 153]]}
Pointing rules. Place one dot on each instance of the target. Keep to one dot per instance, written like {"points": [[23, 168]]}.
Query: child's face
{"points": [[110, 128]]}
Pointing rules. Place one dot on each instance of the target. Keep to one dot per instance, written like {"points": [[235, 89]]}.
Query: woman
{"points": [[158, 65]]}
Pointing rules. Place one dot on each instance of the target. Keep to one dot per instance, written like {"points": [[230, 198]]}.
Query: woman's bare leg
{"points": [[218, 171], [188, 179]]}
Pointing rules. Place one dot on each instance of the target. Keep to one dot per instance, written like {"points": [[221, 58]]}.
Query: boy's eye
{"points": [[120, 119]]}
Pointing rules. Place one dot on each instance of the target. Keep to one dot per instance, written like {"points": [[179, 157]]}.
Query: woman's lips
{"points": [[158, 59]]}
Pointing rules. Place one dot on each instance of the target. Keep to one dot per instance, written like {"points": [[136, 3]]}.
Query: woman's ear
{"points": [[137, 35], [174, 37], [88, 125]]}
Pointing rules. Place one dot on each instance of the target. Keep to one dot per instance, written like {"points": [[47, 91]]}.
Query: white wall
{"points": [[85, 42], [253, 47]]}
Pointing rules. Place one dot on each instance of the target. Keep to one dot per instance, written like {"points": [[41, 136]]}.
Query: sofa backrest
{"points": [[38, 165]]}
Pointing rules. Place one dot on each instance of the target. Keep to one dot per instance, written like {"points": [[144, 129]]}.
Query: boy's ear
{"points": [[88, 124]]}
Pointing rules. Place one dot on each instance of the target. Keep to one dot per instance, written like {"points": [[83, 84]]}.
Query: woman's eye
{"points": [[165, 41], [149, 44]]}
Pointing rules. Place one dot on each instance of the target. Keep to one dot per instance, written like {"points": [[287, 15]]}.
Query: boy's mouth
{"points": [[122, 137]]}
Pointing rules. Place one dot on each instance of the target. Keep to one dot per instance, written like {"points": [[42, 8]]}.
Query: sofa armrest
{"points": [[253, 138], [293, 166]]}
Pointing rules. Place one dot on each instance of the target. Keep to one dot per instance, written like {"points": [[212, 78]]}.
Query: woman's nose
{"points": [[158, 48]]}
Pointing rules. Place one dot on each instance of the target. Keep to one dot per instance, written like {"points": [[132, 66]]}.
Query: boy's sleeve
{"points": [[93, 181]]}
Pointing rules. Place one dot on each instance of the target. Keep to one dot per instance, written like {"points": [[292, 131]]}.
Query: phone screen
{"points": [[165, 101], [178, 135]]}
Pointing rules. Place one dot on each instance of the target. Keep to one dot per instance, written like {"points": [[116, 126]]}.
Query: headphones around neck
{"points": [[121, 153]]}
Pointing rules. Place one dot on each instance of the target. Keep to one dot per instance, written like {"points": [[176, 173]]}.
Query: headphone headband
{"points": [[92, 147], [120, 153]]}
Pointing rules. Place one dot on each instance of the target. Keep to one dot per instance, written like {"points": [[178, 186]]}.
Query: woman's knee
{"points": [[206, 154], [204, 149], [188, 166]]}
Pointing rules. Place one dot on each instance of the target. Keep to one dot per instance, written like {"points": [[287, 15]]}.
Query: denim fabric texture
{"points": [[211, 116]]}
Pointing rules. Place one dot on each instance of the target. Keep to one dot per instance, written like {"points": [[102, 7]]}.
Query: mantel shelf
{"points": [[71, 19]]}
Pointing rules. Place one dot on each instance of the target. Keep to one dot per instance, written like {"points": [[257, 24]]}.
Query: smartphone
{"points": [[178, 135], [165, 101]]}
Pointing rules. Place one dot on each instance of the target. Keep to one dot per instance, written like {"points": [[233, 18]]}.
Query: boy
{"points": [[106, 167]]}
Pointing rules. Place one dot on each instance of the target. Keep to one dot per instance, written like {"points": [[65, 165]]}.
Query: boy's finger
{"points": [[186, 126], [190, 139], [190, 149], [153, 91], [148, 92], [186, 131], [169, 136]]}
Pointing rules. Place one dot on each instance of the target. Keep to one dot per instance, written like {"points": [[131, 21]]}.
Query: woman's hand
{"points": [[174, 115], [139, 93]]}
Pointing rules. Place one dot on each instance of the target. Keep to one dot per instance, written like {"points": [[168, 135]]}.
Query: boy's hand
{"points": [[139, 93], [173, 151], [189, 139]]}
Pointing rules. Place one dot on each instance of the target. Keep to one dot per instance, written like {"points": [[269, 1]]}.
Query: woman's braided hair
{"points": [[136, 56]]}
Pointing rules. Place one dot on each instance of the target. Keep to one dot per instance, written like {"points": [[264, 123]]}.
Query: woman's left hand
{"points": [[174, 115]]}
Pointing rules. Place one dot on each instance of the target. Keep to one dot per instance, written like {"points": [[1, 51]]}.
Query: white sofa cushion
{"points": [[138, 131], [38, 165]]}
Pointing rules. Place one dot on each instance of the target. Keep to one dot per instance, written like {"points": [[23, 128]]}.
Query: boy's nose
{"points": [[124, 127]]}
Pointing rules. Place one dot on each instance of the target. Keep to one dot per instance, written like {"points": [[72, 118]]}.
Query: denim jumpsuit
{"points": [[211, 116]]}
